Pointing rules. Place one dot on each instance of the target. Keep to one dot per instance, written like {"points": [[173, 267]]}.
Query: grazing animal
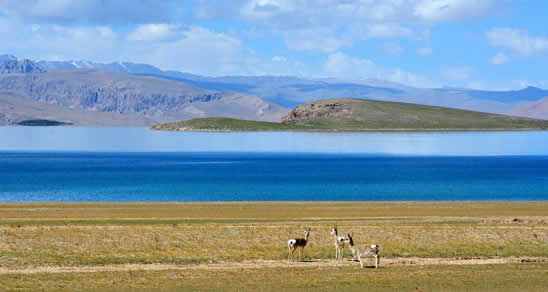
{"points": [[298, 243], [340, 242], [361, 252]]}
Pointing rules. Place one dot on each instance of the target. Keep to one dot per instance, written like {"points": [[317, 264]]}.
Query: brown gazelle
{"points": [[298, 243], [361, 252], [339, 242]]}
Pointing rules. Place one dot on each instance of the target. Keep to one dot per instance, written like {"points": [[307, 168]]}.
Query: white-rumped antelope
{"points": [[298, 243], [361, 252], [339, 242]]}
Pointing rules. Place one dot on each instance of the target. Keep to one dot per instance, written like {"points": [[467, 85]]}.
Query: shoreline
{"points": [[36, 212], [346, 131], [390, 130], [274, 202]]}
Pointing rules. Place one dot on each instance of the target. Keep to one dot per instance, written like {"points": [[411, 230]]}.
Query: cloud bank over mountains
{"points": [[406, 41]]}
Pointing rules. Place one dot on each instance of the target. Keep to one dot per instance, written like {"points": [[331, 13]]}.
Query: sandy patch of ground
{"points": [[257, 264]]}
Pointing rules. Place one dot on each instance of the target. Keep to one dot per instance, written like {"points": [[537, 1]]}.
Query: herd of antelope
{"points": [[340, 242]]}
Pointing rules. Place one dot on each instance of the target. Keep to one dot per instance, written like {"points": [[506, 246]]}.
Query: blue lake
{"points": [[144, 140], [135, 164]]}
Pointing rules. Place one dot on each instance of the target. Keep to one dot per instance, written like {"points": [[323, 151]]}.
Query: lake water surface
{"points": [[144, 140], [135, 164]]}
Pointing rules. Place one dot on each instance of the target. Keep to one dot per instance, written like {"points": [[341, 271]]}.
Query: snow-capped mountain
{"points": [[290, 91], [125, 67]]}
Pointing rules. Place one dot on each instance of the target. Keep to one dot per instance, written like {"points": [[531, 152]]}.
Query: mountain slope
{"points": [[4, 58], [291, 91], [537, 109], [14, 109], [19, 66], [529, 93], [367, 115], [144, 100]]}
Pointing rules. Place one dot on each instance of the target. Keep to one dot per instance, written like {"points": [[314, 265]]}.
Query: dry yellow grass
{"points": [[212, 242], [91, 234], [512, 277]]}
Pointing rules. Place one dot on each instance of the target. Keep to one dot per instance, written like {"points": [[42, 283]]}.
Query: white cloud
{"points": [[191, 49], [499, 59], [279, 59], [370, 11], [202, 51], [86, 34], [316, 40], [392, 49], [330, 39], [260, 9], [518, 40], [157, 32], [197, 50], [455, 73], [343, 66], [59, 42], [339, 64], [91, 11], [449, 10], [330, 25], [424, 51], [389, 31]]}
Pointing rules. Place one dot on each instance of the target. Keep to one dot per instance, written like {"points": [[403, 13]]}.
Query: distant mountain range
{"points": [[536, 109], [141, 94], [4, 58], [20, 66], [108, 98], [291, 91]]}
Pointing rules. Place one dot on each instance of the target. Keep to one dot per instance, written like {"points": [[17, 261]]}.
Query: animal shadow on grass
{"points": [[309, 261], [356, 261]]}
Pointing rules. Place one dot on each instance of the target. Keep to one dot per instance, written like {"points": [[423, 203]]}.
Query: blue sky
{"points": [[484, 44]]}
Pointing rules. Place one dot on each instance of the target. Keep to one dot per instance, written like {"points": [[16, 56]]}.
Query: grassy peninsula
{"points": [[365, 115], [225, 124]]}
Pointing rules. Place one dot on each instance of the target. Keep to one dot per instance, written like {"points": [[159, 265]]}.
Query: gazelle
{"points": [[339, 242], [361, 252], [298, 243]]}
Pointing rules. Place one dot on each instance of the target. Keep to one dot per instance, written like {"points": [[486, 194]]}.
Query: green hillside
{"points": [[225, 124], [365, 115]]}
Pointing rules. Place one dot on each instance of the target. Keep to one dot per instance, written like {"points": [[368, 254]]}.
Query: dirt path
{"points": [[257, 264]]}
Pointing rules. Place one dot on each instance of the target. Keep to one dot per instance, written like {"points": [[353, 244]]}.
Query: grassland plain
{"points": [[425, 245]]}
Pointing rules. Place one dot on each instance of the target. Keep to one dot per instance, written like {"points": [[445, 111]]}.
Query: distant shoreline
{"points": [[404, 130], [256, 209], [399, 130], [363, 203]]}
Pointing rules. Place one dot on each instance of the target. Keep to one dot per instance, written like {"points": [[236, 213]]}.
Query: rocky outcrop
{"points": [[317, 110], [20, 66]]}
